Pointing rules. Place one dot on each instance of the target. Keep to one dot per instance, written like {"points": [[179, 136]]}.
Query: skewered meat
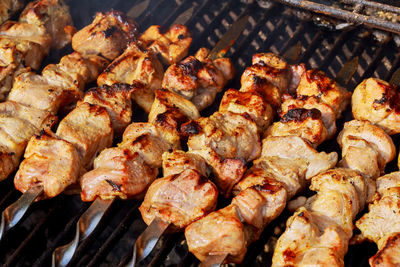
{"points": [[179, 199], [365, 147], [382, 223], [318, 234], [198, 78], [316, 83], [306, 123], [135, 64], [226, 141], [171, 46], [177, 161], [328, 115], [250, 103], [59, 84], [9, 8], [108, 35], [377, 101]]}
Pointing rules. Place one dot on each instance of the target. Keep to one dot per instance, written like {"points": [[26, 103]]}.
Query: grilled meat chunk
{"points": [[135, 64], [306, 123], [7, 76], [177, 161], [54, 16], [8, 8], [179, 199], [227, 141], [171, 45], [50, 162], [382, 223], [317, 83], [377, 101], [108, 35], [198, 78], [365, 148], [117, 101], [88, 128], [318, 234], [250, 103], [117, 173], [328, 115]]}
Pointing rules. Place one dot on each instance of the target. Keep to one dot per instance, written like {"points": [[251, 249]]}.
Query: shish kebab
{"points": [[37, 98], [288, 159], [127, 170], [319, 233], [42, 25]]}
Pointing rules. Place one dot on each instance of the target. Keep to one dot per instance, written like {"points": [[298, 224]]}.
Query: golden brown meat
{"points": [[306, 123], [171, 45], [328, 115], [317, 83], [382, 223], [8, 8], [108, 35], [318, 234], [227, 141], [88, 127], [135, 64], [365, 148], [177, 161], [50, 162], [54, 16], [377, 101], [250, 103], [198, 78], [179, 199]]}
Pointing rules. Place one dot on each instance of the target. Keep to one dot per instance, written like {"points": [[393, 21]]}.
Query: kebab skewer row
{"points": [[59, 85], [325, 224], [42, 25], [287, 161]]}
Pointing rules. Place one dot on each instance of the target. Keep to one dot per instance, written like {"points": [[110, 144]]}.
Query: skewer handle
{"points": [[214, 260], [146, 242], [13, 214], [85, 226]]}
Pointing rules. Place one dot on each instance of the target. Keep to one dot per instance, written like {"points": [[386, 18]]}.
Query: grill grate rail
{"points": [[50, 223]]}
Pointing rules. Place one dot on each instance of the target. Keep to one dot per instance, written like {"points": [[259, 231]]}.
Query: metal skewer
{"points": [[13, 214], [146, 242], [214, 260]]}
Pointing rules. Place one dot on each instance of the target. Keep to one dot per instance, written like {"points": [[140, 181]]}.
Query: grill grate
{"points": [[50, 223]]}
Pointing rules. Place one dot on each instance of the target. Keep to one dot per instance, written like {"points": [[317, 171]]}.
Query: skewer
{"points": [[63, 255], [12, 215], [148, 239], [214, 260]]}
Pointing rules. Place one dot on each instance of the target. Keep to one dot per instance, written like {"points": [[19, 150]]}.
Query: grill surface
{"points": [[50, 223]]}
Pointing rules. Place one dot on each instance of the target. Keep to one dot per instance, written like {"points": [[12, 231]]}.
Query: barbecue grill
{"points": [[289, 28]]}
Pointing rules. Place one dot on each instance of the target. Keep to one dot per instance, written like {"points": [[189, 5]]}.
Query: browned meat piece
{"points": [[377, 101], [172, 45], [306, 123], [177, 161], [117, 101], [50, 162], [88, 128], [8, 8], [54, 16], [382, 223], [179, 199], [59, 85], [250, 103], [135, 64], [318, 234], [117, 173], [317, 83], [108, 35], [328, 115], [198, 79], [7, 77], [269, 75], [365, 148], [227, 141]]}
